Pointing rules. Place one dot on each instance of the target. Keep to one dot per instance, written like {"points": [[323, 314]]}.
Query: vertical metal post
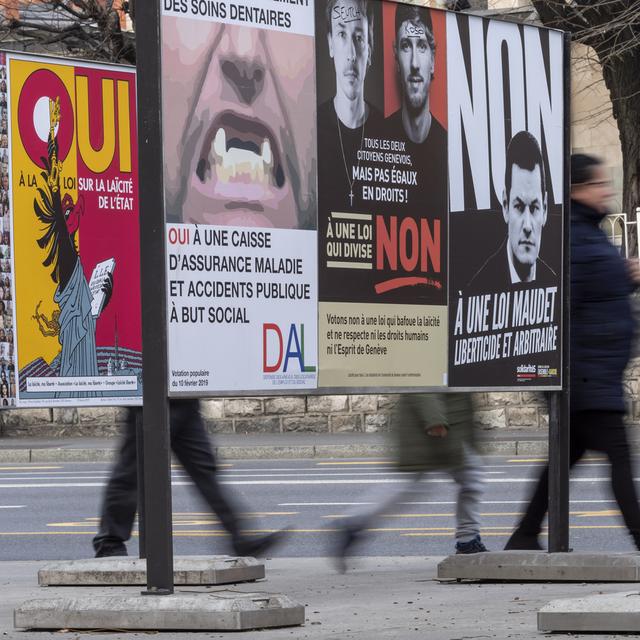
{"points": [[156, 441], [559, 411], [142, 543]]}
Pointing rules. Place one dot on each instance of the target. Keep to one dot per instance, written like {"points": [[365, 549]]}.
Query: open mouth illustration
{"points": [[238, 149]]}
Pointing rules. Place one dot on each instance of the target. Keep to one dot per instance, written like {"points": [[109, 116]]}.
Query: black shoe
{"points": [[258, 545], [347, 538], [523, 542], [109, 550], [472, 546]]}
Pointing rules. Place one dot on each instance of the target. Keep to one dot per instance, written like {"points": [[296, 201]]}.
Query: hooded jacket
{"points": [[415, 413]]}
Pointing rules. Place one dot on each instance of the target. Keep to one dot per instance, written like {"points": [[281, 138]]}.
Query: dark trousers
{"points": [[190, 443], [602, 431]]}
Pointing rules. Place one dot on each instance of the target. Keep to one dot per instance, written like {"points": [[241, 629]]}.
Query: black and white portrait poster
{"points": [[382, 193], [506, 174]]}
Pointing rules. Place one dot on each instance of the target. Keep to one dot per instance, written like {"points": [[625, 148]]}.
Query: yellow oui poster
{"points": [[76, 234]]}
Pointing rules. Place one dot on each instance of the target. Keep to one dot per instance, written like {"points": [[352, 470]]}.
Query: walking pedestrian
{"points": [[602, 329], [190, 443], [432, 432]]}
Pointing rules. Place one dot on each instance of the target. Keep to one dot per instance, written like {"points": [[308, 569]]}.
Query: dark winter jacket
{"points": [[602, 324], [415, 413]]}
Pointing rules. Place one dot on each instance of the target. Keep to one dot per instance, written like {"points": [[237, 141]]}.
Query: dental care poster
{"points": [[240, 192]]}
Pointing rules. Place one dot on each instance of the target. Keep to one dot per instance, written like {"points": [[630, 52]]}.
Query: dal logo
{"points": [[275, 357]]}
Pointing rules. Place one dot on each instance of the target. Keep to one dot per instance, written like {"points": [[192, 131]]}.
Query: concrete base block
{"points": [[219, 611], [123, 571], [540, 566], [611, 613]]}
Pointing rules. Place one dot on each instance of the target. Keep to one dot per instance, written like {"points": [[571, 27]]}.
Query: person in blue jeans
{"points": [[190, 444], [602, 330]]}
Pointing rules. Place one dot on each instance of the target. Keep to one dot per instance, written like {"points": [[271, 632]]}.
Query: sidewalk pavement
{"points": [[511, 442], [378, 599]]}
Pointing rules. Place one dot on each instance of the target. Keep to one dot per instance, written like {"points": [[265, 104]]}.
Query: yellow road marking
{"points": [[497, 514], [508, 532], [192, 519], [598, 526], [580, 514], [180, 520], [448, 534]]}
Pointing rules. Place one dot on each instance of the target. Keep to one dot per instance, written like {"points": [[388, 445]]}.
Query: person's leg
{"points": [[120, 500], [526, 533], [608, 434], [470, 480], [380, 500], [192, 447]]}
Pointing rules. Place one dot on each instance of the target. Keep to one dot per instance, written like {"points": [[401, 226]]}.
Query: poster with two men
{"points": [[440, 182]]}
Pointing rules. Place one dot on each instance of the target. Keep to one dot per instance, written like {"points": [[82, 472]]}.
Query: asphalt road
{"points": [[49, 511]]}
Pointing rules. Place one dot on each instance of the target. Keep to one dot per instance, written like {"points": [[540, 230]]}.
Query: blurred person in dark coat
{"points": [[602, 329], [192, 447]]}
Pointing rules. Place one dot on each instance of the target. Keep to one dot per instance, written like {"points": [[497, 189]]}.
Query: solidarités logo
{"points": [[526, 372]]}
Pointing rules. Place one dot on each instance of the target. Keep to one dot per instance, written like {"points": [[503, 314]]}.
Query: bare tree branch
{"points": [[612, 29], [85, 28]]}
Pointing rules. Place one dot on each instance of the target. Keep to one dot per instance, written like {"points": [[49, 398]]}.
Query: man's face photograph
{"points": [[415, 63], [525, 212], [349, 47]]}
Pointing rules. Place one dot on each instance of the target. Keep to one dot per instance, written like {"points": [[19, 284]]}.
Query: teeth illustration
{"points": [[267, 157], [220, 142], [237, 164]]}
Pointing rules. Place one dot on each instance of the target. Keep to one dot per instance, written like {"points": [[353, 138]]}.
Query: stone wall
{"points": [[319, 414], [287, 414], [47, 423], [290, 414]]}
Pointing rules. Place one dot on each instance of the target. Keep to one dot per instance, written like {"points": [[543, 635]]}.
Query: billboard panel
{"points": [[73, 226], [240, 193], [506, 180], [361, 195], [382, 185]]}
